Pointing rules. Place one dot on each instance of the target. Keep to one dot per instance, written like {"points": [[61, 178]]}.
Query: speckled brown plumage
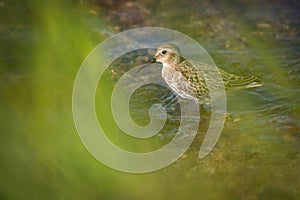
{"points": [[188, 79]]}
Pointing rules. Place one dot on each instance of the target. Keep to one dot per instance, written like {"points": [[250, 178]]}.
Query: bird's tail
{"points": [[234, 81]]}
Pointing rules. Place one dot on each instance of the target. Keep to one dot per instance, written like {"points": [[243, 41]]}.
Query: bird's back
{"points": [[199, 74]]}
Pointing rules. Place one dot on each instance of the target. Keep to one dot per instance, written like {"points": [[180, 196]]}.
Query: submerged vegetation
{"points": [[43, 44]]}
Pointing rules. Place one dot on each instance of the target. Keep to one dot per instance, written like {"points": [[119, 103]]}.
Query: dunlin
{"points": [[187, 81]]}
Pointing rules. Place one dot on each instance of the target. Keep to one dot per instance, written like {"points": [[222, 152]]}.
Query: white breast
{"points": [[177, 82]]}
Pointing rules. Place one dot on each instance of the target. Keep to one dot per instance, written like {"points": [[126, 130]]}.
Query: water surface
{"points": [[42, 47]]}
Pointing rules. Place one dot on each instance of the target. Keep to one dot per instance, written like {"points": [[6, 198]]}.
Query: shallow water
{"points": [[42, 47]]}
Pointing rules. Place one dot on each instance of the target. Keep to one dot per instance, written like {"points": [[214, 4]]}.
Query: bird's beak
{"points": [[153, 60]]}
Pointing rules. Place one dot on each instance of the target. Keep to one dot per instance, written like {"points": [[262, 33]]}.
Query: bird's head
{"points": [[168, 53]]}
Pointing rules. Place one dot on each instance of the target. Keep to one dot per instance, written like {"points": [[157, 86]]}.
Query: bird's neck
{"points": [[166, 69]]}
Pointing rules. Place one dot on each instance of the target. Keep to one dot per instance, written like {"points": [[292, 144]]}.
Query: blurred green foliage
{"points": [[42, 46]]}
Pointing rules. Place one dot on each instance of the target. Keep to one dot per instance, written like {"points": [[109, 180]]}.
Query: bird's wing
{"points": [[194, 77], [234, 81], [208, 73]]}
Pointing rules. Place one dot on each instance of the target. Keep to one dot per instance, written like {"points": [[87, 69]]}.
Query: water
{"points": [[42, 46]]}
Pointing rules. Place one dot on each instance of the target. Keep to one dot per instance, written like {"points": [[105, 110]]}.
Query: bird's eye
{"points": [[164, 52]]}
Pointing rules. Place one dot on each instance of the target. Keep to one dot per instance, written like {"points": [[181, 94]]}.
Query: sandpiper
{"points": [[187, 81]]}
